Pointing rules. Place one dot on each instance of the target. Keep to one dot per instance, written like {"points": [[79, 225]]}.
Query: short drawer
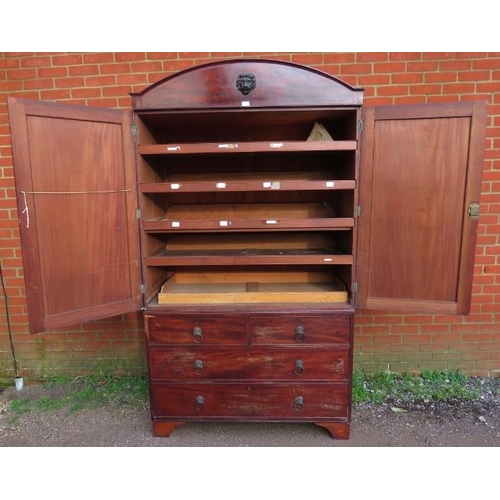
{"points": [[253, 363], [334, 329], [192, 329], [257, 401], [196, 363]]}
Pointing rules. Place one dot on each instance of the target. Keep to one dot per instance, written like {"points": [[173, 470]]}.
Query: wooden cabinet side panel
{"points": [[420, 172], [76, 190]]}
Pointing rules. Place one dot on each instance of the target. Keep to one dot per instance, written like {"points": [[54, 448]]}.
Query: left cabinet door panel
{"points": [[76, 188]]}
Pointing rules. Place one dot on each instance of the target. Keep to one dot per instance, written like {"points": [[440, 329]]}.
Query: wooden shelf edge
{"points": [[245, 147], [246, 186]]}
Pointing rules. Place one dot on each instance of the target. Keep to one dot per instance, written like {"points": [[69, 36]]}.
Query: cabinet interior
{"points": [[250, 194]]}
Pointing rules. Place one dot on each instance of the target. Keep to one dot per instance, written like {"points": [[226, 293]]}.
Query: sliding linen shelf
{"points": [[251, 249], [217, 258], [248, 288], [248, 181], [245, 147], [275, 216]]}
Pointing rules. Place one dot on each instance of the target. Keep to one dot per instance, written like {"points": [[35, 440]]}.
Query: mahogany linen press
{"points": [[248, 207]]}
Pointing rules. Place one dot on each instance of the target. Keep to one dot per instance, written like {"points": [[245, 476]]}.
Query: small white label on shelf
{"points": [[228, 146], [174, 148], [327, 259], [272, 185], [223, 223], [175, 186], [176, 224], [221, 185], [330, 184], [245, 104], [276, 144], [271, 221]]}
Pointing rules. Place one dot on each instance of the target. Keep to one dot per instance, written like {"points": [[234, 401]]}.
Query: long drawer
{"points": [[248, 363], [259, 401]]}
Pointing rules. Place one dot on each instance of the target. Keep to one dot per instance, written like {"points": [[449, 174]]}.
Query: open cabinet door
{"points": [[77, 198], [420, 183]]}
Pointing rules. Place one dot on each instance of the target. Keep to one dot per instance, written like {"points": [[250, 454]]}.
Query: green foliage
{"points": [[383, 387], [58, 380], [429, 386], [86, 392]]}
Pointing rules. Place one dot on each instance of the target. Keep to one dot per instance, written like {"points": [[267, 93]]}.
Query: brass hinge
{"points": [[142, 288], [474, 210], [357, 211], [355, 286], [138, 214], [360, 125], [135, 130]]}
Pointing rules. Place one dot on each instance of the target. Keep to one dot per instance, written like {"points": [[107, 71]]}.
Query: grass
{"points": [[407, 388], [86, 392], [378, 388]]}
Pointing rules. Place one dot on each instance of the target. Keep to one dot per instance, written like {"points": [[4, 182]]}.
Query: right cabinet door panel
{"points": [[421, 168]]}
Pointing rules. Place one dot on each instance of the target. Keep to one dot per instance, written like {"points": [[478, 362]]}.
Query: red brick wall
{"points": [[384, 340]]}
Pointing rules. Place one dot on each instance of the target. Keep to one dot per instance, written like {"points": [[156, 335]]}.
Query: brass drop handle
{"points": [[300, 335], [197, 335], [299, 403], [199, 403], [198, 367], [299, 367]]}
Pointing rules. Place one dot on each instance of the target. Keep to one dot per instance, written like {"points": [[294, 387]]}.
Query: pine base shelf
{"points": [[248, 288]]}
